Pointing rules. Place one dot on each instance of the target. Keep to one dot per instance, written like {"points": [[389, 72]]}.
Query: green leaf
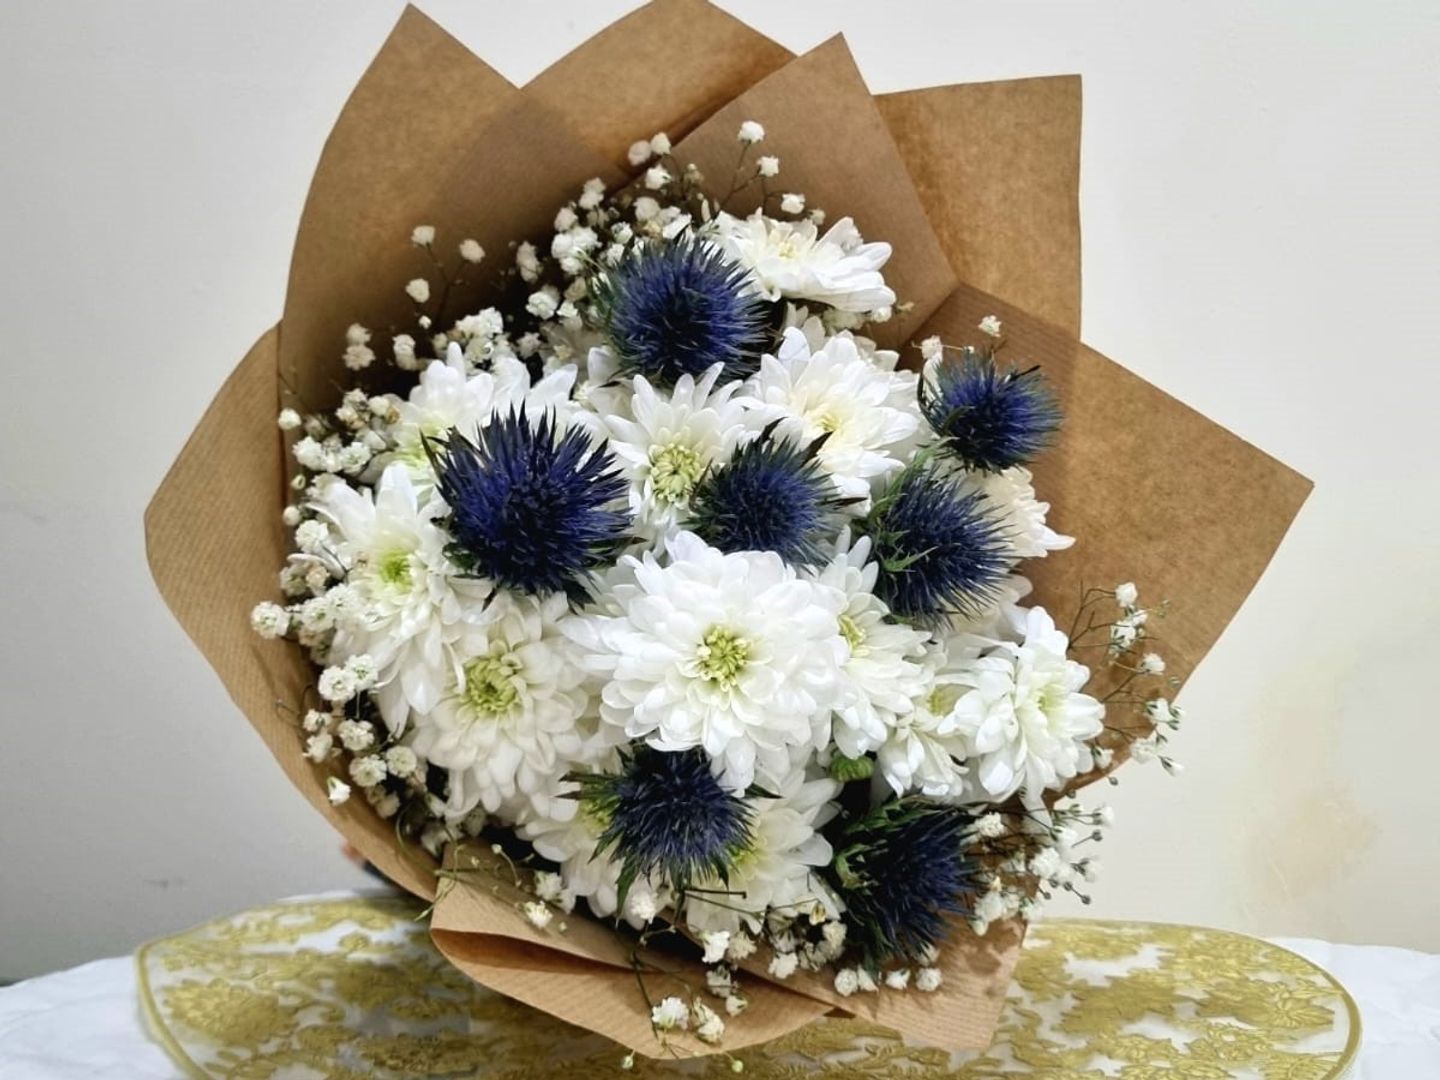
{"points": [[845, 769]]}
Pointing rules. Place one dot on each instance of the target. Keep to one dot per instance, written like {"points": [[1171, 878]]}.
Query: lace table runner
{"points": [[352, 989]]}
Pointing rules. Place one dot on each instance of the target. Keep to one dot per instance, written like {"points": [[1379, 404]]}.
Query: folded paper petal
{"points": [[604, 999], [215, 542], [961, 1015], [586, 973], [482, 898], [997, 166], [431, 135], [663, 68]]}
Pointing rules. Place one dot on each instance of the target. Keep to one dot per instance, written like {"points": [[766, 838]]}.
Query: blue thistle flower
{"points": [[988, 418], [531, 508], [770, 496], [939, 551], [900, 870], [680, 307], [665, 814]]}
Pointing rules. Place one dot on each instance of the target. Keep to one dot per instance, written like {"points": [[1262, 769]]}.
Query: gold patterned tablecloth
{"points": [[351, 989]]}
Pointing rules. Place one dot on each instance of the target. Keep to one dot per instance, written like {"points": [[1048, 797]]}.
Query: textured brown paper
{"points": [[682, 60], [423, 100], [586, 970], [606, 998], [960, 1016], [432, 135], [215, 542], [997, 166]]}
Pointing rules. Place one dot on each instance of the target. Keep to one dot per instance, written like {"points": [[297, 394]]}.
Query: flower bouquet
{"points": [[671, 563]]}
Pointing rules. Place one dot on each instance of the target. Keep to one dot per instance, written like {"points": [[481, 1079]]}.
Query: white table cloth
{"points": [[86, 1022]]}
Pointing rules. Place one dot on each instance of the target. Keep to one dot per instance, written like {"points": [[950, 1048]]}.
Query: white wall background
{"points": [[1261, 239]]}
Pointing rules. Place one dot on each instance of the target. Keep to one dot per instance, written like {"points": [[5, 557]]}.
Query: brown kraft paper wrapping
{"points": [[974, 183]]}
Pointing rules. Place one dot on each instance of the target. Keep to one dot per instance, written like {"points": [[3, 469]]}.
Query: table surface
{"points": [[86, 1021]]}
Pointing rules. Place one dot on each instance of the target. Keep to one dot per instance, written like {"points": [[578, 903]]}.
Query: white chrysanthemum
{"points": [[510, 714], [446, 397], [868, 410], [668, 442], [1022, 515], [1023, 717], [880, 677], [791, 259], [778, 869], [924, 750], [734, 653], [409, 601], [602, 391], [1003, 618], [566, 835]]}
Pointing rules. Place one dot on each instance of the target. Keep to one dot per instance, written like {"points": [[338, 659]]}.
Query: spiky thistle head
{"points": [[679, 307], [900, 870], [771, 495], [987, 417], [939, 550], [532, 508], [664, 815]]}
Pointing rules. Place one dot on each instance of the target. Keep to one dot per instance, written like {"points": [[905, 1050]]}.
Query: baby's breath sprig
{"points": [[1126, 639], [750, 135], [1027, 854]]}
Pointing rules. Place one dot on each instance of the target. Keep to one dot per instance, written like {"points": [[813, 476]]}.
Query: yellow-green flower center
{"points": [[489, 688], [740, 857], [1050, 698], [410, 449], [942, 699], [852, 632], [393, 568], [675, 469], [597, 817], [722, 656], [789, 248]]}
